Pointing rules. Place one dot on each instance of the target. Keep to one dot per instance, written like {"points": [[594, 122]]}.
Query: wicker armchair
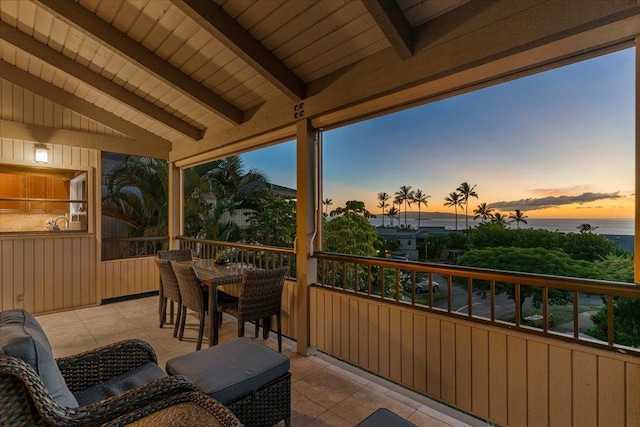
{"points": [[26, 401], [169, 291], [184, 410], [260, 298]]}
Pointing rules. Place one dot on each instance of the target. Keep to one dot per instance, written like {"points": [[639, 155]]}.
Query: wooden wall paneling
{"points": [[374, 337], [38, 276], [49, 275], [27, 104], [18, 274], [336, 324], [132, 284], [498, 409], [326, 315], [107, 279], [611, 379], [55, 263], [354, 324], [363, 333], [38, 109], [633, 394], [434, 365], [316, 320], [448, 361], [344, 328], [68, 272], [7, 275], [29, 275], [47, 115], [87, 286], [18, 101], [137, 280], [517, 380], [464, 379], [407, 346], [383, 341], [420, 353], [585, 396], [538, 383], [560, 390], [395, 345], [480, 372], [76, 280]]}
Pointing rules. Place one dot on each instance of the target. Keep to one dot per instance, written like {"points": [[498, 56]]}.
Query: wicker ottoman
{"points": [[249, 378]]}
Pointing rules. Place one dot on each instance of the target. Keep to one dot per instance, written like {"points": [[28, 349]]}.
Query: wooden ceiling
{"points": [[194, 75]]}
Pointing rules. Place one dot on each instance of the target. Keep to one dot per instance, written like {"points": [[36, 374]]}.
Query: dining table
{"points": [[216, 276]]}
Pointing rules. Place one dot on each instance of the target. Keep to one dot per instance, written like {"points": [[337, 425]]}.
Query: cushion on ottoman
{"points": [[135, 378], [22, 337], [231, 370], [383, 417]]}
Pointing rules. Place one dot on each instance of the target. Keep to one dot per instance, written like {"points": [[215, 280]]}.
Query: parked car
{"points": [[422, 287]]}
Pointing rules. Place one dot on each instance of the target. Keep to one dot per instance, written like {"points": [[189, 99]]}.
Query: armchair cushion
{"points": [[21, 336], [129, 380]]}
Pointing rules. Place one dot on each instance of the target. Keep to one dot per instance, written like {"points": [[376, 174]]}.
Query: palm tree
{"points": [[393, 212], [518, 217], [483, 211], [499, 218], [327, 202], [466, 191], [454, 199], [383, 197], [421, 199], [405, 195]]}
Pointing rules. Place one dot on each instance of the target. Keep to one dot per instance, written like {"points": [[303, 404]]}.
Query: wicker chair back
{"points": [[190, 287], [176, 255], [168, 280]]}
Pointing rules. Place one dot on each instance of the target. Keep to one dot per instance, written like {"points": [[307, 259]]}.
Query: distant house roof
{"points": [[287, 193]]}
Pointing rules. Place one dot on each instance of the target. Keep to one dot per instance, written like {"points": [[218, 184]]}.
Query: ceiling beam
{"points": [[93, 26], [227, 31], [393, 24], [33, 47], [21, 78], [75, 138]]}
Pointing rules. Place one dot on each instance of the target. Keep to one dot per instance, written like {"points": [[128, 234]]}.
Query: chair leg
{"points": [[200, 331], [280, 336], [257, 326], [240, 327], [171, 312], [177, 325], [182, 322], [219, 314], [266, 327], [163, 311]]}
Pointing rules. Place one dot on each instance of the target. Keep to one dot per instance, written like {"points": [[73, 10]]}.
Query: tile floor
{"points": [[325, 391]]}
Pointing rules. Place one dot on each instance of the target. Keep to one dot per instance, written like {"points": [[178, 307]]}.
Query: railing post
{"points": [[306, 162], [175, 205]]}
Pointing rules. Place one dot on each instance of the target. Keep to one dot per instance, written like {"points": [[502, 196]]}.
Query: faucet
{"points": [[52, 224], [55, 221]]}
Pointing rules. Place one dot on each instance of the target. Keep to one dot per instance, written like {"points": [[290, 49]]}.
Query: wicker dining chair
{"points": [[260, 298], [169, 293], [194, 297]]}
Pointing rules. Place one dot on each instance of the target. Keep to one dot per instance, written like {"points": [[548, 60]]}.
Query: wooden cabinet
{"points": [[33, 187], [13, 186]]}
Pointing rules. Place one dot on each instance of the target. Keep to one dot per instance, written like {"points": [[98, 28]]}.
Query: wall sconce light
{"points": [[41, 153]]}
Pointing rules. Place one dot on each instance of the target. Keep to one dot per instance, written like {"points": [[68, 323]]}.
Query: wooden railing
{"points": [[550, 306], [258, 256]]}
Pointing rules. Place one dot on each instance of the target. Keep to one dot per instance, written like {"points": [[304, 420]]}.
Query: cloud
{"points": [[552, 201]]}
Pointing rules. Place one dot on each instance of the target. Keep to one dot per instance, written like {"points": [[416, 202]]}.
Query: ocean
{"points": [[609, 226]]}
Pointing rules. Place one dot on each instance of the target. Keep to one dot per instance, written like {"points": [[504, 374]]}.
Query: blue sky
{"points": [[555, 144]]}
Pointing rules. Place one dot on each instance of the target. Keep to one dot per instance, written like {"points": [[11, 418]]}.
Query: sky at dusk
{"points": [[558, 144]]}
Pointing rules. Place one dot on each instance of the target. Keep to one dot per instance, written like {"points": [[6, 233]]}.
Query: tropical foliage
{"points": [[454, 200], [136, 195], [465, 191], [273, 222]]}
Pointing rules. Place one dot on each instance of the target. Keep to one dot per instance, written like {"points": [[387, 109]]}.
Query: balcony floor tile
{"points": [[325, 391]]}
